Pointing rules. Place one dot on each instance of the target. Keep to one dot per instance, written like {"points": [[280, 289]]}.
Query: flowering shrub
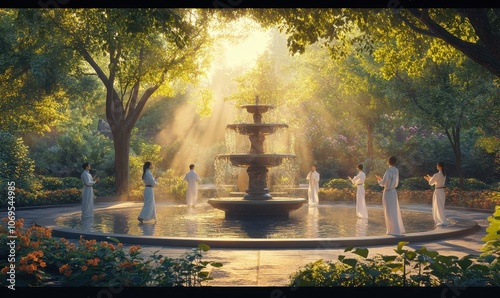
{"points": [[92, 263], [45, 197]]}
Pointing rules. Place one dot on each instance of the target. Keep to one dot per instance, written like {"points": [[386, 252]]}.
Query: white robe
{"points": [[392, 212], [359, 181], [192, 189], [148, 211], [87, 195], [312, 192], [438, 198]]}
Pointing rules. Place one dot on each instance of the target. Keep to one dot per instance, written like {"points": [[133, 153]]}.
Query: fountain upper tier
{"points": [[257, 108]]}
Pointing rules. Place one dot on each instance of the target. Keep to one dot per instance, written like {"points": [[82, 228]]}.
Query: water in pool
{"points": [[204, 221]]}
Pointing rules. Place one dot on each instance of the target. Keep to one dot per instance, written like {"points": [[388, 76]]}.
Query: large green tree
{"points": [[135, 53], [448, 97], [33, 78], [471, 31]]}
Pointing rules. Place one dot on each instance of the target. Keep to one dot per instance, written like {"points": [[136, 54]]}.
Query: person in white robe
{"points": [[312, 191], [359, 181], [192, 178], [87, 193], [438, 197], [392, 212], [148, 211]]}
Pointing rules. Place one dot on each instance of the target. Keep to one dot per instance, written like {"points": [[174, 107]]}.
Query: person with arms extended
{"points": [[87, 192], [148, 211], [392, 212], [438, 198], [192, 178], [313, 189], [359, 181]]}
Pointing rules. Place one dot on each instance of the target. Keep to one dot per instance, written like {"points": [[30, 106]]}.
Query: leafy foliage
{"points": [[338, 184], [15, 163], [408, 268]]}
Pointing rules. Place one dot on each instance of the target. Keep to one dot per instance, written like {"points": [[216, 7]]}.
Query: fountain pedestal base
{"points": [[238, 206]]}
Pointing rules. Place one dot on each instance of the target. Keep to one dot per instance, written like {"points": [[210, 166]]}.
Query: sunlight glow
{"points": [[245, 53]]}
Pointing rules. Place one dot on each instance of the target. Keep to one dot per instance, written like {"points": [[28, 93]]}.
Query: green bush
{"points": [[338, 183], [64, 155], [469, 183], [105, 186], [73, 182], [172, 186], [51, 183], [414, 183], [336, 195]]}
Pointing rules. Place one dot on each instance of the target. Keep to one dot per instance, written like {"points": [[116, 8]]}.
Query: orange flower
{"points": [[31, 268], [68, 273], [95, 277], [126, 264], [134, 249], [93, 262], [63, 268], [5, 269], [120, 245], [84, 268]]}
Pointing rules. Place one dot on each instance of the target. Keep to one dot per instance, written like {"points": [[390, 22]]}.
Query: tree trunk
{"points": [[369, 148], [454, 138], [121, 142]]}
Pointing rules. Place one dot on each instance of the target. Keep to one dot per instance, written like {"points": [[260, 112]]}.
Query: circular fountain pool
{"points": [[324, 221], [330, 225]]}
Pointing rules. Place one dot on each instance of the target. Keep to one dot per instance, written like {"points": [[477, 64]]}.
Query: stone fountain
{"points": [[258, 200]]}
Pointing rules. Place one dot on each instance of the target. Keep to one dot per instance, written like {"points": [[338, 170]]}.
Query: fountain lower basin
{"points": [[277, 206]]}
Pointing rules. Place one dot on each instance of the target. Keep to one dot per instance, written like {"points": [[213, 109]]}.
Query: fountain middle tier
{"points": [[247, 160], [256, 128]]}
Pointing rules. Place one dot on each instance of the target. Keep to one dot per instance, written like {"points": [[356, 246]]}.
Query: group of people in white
{"points": [[148, 211], [390, 203], [389, 181]]}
